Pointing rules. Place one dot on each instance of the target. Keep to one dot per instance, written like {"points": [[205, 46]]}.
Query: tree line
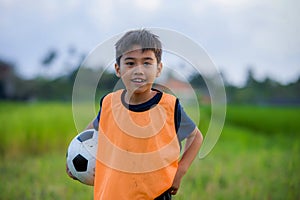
{"points": [[15, 88]]}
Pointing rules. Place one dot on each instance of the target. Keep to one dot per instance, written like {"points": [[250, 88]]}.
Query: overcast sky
{"points": [[237, 34]]}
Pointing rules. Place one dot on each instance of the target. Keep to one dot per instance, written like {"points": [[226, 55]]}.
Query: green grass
{"points": [[35, 177], [256, 157], [244, 166], [37, 127], [270, 120]]}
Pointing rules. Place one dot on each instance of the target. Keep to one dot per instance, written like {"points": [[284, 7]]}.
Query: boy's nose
{"points": [[138, 69]]}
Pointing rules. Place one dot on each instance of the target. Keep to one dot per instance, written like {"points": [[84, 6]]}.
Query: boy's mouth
{"points": [[138, 80]]}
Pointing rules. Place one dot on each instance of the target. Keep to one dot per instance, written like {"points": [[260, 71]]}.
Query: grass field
{"points": [[256, 157]]}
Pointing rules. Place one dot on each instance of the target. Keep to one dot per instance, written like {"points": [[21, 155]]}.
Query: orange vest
{"points": [[138, 152]]}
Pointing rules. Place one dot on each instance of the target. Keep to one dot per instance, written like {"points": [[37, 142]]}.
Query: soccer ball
{"points": [[81, 156]]}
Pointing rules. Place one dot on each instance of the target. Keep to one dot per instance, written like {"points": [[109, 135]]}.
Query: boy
{"points": [[140, 128]]}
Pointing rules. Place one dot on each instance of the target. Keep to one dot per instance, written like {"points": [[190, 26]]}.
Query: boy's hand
{"points": [[176, 182], [69, 173]]}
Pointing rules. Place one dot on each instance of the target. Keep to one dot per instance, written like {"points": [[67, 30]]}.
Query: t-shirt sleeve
{"points": [[96, 121], [184, 125]]}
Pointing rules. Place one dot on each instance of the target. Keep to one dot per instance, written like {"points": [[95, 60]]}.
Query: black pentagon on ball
{"points": [[85, 136], [80, 163]]}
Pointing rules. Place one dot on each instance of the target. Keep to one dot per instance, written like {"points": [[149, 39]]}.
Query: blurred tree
{"points": [[264, 92], [50, 57], [6, 80], [197, 81], [250, 80]]}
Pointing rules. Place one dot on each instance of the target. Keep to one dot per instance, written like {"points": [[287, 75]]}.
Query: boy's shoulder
{"points": [[119, 91], [168, 96]]}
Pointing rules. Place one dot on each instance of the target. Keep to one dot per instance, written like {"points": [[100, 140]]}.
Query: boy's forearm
{"points": [[192, 147], [90, 125]]}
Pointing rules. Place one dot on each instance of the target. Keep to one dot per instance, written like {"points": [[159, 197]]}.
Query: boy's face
{"points": [[138, 70]]}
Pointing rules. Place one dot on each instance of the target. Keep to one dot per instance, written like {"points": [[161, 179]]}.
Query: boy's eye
{"points": [[129, 63], [147, 63]]}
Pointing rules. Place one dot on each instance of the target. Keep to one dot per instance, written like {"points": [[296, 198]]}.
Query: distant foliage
{"points": [[14, 87], [266, 92]]}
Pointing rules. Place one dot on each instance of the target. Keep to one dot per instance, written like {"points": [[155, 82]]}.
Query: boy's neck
{"points": [[133, 98]]}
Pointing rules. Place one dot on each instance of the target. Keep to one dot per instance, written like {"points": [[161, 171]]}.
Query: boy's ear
{"points": [[159, 69], [117, 69]]}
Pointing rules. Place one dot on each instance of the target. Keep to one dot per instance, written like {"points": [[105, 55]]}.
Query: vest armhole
{"points": [[177, 115], [101, 100], [100, 107]]}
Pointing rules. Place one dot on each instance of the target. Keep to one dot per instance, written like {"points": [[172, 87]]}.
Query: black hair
{"points": [[142, 38]]}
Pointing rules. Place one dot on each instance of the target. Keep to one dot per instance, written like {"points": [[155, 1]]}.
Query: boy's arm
{"points": [[93, 124], [192, 147], [90, 125]]}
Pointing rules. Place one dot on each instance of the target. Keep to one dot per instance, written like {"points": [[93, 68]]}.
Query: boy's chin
{"points": [[140, 90]]}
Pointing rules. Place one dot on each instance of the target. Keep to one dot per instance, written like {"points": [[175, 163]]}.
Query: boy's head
{"points": [[141, 38]]}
